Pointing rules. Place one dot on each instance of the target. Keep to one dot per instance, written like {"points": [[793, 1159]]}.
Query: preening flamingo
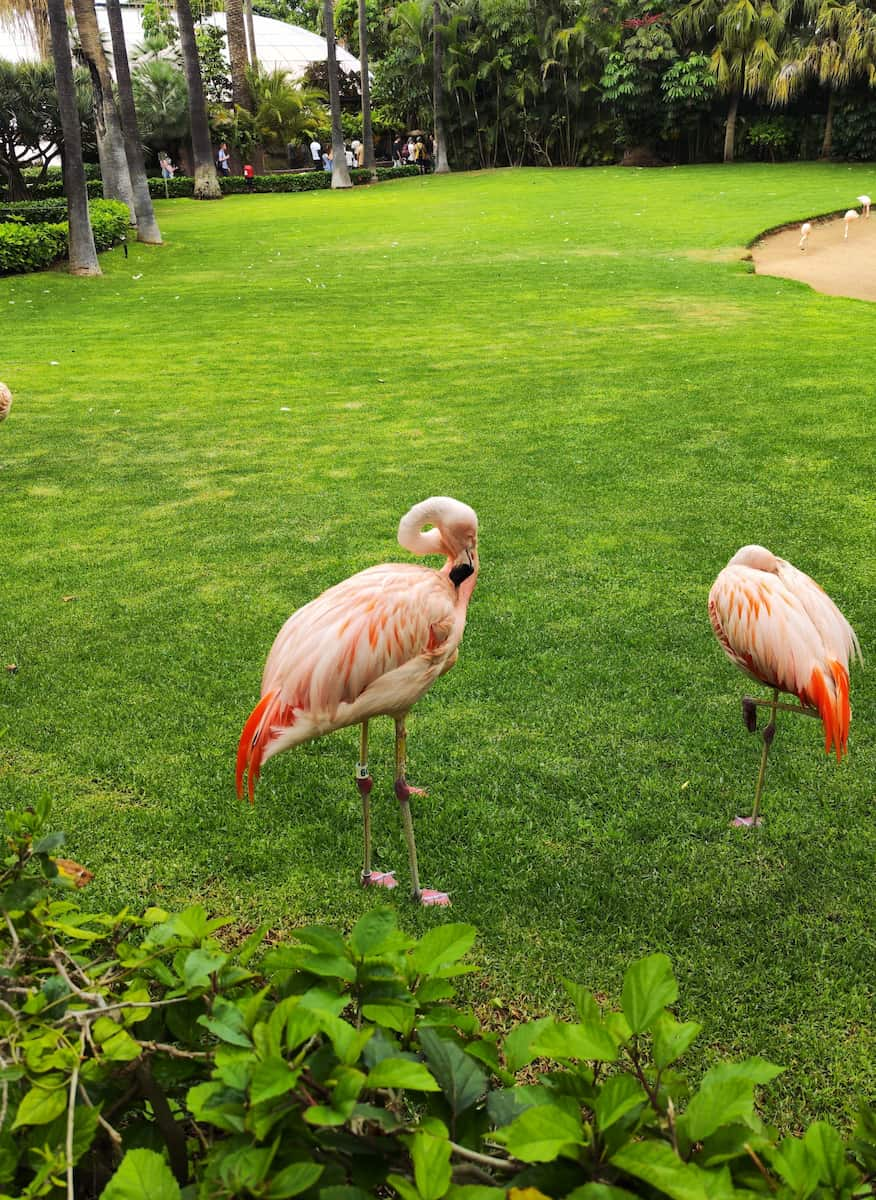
{"points": [[779, 627], [851, 215], [805, 230], [5, 401], [370, 646], [864, 201]]}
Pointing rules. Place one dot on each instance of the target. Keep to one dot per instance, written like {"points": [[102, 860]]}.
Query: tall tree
{"points": [[365, 87], [111, 144], [82, 254], [147, 226], [441, 165], [237, 53], [206, 183], [745, 56], [340, 174], [250, 33]]}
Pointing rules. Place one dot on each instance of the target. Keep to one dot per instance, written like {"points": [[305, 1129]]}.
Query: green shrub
{"points": [[339, 1068], [35, 246], [54, 188], [34, 212], [304, 181]]}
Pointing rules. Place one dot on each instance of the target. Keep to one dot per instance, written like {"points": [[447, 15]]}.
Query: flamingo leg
{"points": [[425, 896], [364, 783], [769, 732]]}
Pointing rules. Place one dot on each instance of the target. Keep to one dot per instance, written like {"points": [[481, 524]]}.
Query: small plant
{"points": [[147, 1058]]}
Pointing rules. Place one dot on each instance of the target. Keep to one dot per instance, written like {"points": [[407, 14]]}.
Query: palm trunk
{"points": [[365, 87], [340, 174], [113, 158], [147, 226], [206, 183], [827, 144], [250, 33], [730, 133], [237, 54], [82, 254], [442, 167]]}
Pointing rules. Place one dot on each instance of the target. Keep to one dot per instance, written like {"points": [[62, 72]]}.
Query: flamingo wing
{"points": [[784, 631], [333, 649]]}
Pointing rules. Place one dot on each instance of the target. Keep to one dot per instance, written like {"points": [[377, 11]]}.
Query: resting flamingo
{"points": [[5, 401], [805, 230], [779, 627], [851, 215], [864, 201], [370, 646]]}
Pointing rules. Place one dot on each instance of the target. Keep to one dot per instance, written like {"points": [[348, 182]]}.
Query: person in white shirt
{"points": [[351, 158], [316, 154]]}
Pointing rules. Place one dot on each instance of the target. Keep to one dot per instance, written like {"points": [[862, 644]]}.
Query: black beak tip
{"points": [[460, 573]]}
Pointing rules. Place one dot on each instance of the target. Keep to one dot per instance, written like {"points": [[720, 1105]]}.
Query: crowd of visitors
{"points": [[416, 149]]}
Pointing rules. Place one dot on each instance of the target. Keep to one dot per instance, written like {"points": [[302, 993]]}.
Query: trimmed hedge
{"points": [[34, 212], [54, 188], [32, 247], [305, 181]]}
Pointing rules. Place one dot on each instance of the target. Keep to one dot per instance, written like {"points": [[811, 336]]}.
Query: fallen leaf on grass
{"points": [[67, 599], [73, 871], [12, 668]]}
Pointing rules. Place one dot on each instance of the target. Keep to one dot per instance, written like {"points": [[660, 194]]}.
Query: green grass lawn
{"points": [[214, 432]]}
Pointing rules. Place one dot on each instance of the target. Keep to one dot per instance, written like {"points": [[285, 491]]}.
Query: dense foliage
{"points": [[32, 237], [143, 1055]]}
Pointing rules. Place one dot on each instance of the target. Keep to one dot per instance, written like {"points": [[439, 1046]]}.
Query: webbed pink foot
{"points": [[745, 823], [384, 879], [429, 898], [416, 791]]}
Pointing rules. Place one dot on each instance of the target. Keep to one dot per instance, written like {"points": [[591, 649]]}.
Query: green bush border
{"points": [[34, 246], [304, 181]]}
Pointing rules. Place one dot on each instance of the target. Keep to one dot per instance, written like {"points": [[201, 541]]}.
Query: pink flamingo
{"points": [[864, 201], [851, 215], [370, 646], [779, 627], [805, 230], [5, 401]]}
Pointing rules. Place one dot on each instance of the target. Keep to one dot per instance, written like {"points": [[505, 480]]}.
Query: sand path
{"points": [[828, 264]]}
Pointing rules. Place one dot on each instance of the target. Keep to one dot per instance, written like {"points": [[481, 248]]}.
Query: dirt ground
{"points": [[828, 264]]}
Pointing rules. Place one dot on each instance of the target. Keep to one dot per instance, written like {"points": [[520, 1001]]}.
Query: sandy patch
{"points": [[829, 264]]}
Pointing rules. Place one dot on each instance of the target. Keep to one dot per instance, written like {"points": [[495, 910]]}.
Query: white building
{"points": [[278, 45]]}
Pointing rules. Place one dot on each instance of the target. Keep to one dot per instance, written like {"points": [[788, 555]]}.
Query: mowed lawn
{"points": [[215, 431]]}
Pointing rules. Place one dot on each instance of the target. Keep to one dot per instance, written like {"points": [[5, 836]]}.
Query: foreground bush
{"points": [[32, 247], [145, 1058]]}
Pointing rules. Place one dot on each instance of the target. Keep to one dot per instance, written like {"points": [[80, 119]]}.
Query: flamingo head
{"points": [[758, 557], [454, 534]]}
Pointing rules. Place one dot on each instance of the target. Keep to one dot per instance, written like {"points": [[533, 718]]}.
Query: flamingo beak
{"points": [[462, 570]]}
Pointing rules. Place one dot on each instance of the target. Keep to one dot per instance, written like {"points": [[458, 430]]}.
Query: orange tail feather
{"points": [[832, 705], [251, 746]]}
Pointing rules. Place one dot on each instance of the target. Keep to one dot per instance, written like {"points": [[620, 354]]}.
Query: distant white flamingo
{"points": [[851, 215], [370, 646], [864, 201], [779, 627], [5, 401], [805, 230]]}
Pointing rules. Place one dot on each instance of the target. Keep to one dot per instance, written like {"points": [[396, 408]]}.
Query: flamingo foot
{"points": [[416, 791], [746, 823], [429, 898], [384, 879]]}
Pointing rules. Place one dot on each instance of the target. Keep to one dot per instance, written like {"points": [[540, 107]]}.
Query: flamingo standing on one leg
{"points": [[5, 401], [805, 230], [864, 201], [778, 626], [851, 215], [370, 646]]}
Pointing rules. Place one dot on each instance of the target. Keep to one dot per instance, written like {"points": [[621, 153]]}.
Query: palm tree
{"points": [[745, 57], [365, 87], [239, 59], [283, 111], [82, 254], [442, 167], [206, 183], [147, 226], [340, 174], [111, 144], [835, 46]]}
